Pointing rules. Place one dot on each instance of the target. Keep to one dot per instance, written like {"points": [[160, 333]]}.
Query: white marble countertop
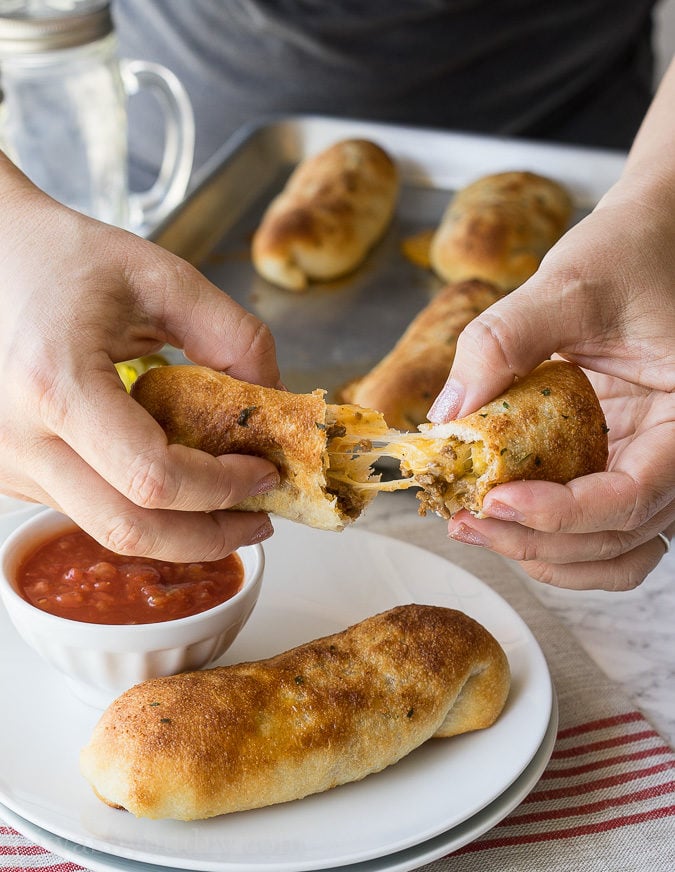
{"points": [[630, 635]]}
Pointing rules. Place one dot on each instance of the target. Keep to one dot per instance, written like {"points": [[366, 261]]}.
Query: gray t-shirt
{"points": [[577, 71]]}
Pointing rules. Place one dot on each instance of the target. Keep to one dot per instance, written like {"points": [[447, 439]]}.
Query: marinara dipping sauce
{"points": [[74, 577]]}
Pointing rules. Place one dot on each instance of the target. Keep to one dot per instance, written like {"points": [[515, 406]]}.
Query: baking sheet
{"points": [[337, 331]]}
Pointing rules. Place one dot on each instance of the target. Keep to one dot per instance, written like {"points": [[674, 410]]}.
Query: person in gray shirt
{"points": [[575, 72]]}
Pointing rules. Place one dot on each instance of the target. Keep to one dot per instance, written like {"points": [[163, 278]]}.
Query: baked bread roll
{"points": [[335, 206], [404, 384], [549, 425], [499, 228], [216, 413], [326, 713]]}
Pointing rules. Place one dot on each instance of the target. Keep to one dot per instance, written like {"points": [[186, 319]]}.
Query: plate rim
{"points": [[135, 854], [398, 861]]}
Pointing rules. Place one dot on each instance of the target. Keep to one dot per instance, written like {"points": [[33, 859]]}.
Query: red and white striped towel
{"points": [[605, 775]]}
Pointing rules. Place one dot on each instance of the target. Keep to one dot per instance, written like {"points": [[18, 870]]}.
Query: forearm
{"points": [[654, 141], [649, 171], [23, 210]]}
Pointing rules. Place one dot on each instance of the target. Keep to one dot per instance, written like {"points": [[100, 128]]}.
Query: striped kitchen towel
{"points": [[606, 801]]}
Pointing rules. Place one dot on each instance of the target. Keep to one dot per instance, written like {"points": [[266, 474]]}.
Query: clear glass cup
{"points": [[63, 116]]}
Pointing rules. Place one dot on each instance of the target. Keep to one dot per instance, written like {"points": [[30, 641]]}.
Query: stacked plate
{"points": [[442, 796]]}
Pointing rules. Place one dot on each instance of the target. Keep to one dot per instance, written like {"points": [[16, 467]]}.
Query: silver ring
{"points": [[665, 540]]}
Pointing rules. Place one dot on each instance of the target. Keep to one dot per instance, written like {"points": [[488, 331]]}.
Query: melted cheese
{"points": [[358, 438]]}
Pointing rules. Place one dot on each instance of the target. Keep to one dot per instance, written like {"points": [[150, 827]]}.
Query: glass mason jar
{"points": [[63, 116]]}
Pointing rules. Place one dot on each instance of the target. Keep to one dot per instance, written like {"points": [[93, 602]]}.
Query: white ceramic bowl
{"points": [[100, 661]]}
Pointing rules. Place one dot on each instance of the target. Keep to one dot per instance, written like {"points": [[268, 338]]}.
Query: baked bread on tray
{"points": [[334, 208], [404, 384], [499, 228]]}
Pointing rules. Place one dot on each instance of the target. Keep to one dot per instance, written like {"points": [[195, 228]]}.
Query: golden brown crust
{"points": [[548, 426], [213, 412], [404, 384], [499, 228], [328, 712], [333, 209]]}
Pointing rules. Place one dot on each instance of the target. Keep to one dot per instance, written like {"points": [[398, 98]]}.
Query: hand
{"points": [[602, 298], [77, 296]]}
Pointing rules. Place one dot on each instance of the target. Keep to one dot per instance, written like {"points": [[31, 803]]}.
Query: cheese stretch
{"points": [[358, 438]]}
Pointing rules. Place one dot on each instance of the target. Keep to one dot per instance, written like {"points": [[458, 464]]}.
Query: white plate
{"points": [[400, 861], [316, 583]]}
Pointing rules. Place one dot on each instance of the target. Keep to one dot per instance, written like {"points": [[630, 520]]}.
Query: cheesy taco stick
{"points": [[549, 425], [216, 413], [499, 228], [335, 206], [325, 713]]}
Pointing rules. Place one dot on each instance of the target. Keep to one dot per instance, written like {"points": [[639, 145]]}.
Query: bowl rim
{"points": [[57, 521], [11, 507]]}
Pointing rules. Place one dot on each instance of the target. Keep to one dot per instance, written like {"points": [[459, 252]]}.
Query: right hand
{"points": [[602, 298], [77, 296]]}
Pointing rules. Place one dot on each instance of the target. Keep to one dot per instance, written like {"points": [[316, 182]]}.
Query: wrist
{"points": [[648, 178], [644, 187], [14, 185]]}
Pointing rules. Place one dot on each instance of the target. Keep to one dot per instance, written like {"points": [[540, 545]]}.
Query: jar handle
{"points": [[148, 208]]}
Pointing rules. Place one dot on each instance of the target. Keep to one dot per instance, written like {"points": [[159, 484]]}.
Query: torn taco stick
{"points": [[548, 425]]}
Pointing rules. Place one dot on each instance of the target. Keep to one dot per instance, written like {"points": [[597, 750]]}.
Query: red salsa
{"points": [[74, 577]]}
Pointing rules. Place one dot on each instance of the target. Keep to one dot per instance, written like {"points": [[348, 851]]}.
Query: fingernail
{"points": [[503, 512], [466, 534], [447, 403], [268, 483], [263, 532]]}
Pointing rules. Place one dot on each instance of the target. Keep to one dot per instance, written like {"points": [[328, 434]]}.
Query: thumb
{"points": [[504, 342], [198, 317]]}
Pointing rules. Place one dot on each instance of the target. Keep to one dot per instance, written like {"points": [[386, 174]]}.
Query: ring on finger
{"points": [[665, 540]]}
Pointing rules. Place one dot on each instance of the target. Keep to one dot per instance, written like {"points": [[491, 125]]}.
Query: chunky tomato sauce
{"points": [[74, 577]]}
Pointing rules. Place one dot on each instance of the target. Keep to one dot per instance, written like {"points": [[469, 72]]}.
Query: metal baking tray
{"points": [[336, 331]]}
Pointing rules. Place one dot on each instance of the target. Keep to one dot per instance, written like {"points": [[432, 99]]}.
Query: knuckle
{"points": [[42, 382], [178, 273], [486, 334], [527, 549], [151, 484], [628, 575], [539, 571], [608, 546], [217, 548], [261, 341], [155, 267], [633, 502], [228, 494], [576, 516], [558, 523], [125, 535]]}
